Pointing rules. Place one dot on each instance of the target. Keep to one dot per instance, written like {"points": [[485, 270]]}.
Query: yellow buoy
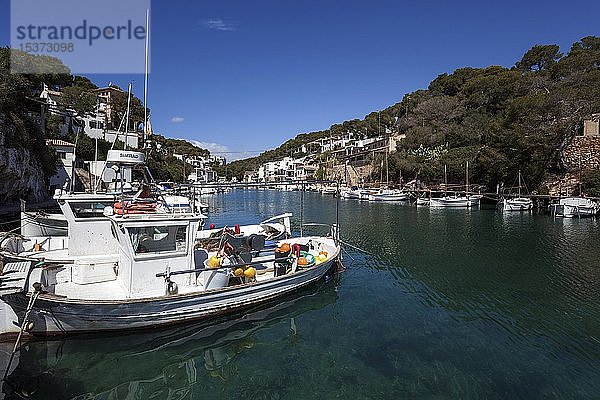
{"points": [[238, 272], [250, 272], [214, 262]]}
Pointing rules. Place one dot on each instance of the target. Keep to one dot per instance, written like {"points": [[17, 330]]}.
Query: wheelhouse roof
{"points": [[137, 220]]}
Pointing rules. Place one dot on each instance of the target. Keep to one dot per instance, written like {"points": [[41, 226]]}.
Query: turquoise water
{"points": [[449, 304]]}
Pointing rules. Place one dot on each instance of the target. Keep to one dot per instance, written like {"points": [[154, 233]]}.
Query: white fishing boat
{"points": [[177, 204], [139, 271], [330, 190], [574, 207], [456, 200], [389, 195], [450, 201], [518, 203], [351, 193], [273, 228], [422, 201], [366, 193], [40, 223]]}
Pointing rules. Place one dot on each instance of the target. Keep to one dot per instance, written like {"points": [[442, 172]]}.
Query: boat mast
{"points": [[146, 77], [467, 182], [519, 183], [445, 180], [127, 113]]}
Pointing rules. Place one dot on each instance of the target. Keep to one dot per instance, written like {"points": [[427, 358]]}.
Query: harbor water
{"points": [[443, 304]]}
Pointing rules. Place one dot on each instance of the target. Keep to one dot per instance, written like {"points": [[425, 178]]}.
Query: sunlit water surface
{"points": [[449, 304]]}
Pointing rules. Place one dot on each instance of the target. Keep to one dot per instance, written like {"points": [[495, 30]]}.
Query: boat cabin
{"points": [[155, 244]]}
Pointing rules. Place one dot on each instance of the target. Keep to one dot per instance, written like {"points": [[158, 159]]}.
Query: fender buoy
{"points": [[134, 208], [296, 249]]}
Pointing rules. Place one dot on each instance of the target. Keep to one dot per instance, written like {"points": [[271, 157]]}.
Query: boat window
{"points": [[158, 239], [91, 209]]}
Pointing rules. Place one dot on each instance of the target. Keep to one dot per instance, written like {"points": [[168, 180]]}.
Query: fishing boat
{"points": [[366, 193], [518, 203], [351, 193], [40, 223], [456, 200], [450, 201], [574, 207], [329, 190], [389, 195], [146, 270], [422, 201]]}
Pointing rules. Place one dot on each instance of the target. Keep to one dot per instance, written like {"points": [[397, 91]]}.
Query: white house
{"points": [[99, 124], [64, 169]]}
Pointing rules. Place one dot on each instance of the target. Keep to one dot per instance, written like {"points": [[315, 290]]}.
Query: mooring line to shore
{"points": [[356, 248]]}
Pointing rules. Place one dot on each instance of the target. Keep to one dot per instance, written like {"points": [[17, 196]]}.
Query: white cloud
{"points": [[218, 24], [218, 149], [177, 120]]}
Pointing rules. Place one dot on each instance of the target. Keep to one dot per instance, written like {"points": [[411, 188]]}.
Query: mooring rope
{"points": [[32, 299]]}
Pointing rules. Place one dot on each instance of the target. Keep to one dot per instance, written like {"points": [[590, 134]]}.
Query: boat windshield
{"points": [[90, 209], [158, 239]]}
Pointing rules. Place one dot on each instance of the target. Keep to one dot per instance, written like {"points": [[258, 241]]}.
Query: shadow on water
{"points": [[174, 363]]}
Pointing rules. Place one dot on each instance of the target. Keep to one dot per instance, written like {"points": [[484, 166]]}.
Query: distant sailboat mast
{"points": [[467, 182], [445, 180]]}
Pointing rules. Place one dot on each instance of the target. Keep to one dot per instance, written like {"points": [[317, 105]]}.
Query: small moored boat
{"points": [[574, 207], [152, 272]]}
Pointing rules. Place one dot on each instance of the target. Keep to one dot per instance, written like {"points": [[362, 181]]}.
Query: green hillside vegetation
{"points": [[499, 119], [18, 94]]}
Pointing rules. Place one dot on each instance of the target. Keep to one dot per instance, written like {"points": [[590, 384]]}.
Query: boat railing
{"points": [[228, 266], [334, 230]]}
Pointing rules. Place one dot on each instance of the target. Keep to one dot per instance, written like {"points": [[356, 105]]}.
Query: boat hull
{"points": [[53, 315], [574, 207], [33, 224], [388, 197], [454, 202], [350, 194], [517, 205]]}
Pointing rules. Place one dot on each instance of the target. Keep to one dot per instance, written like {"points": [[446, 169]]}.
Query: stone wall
{"points": [[584, 149], [355, 174]]}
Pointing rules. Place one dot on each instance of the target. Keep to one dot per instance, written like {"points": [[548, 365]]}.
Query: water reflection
{"points": [[452, 304], [166, 364]]}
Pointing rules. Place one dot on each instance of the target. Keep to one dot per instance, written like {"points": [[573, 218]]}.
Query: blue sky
{"points": [[245, 76]]}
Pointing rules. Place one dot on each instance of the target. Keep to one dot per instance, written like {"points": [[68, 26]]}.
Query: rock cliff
{"points": [[21, 173]]}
